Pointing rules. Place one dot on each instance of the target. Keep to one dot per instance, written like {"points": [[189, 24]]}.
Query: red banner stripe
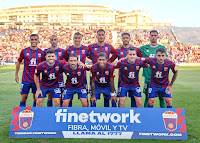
{"points": [[15, 120], [15, 111], [178, 111], [16, 128], [183, 128], [180, 120], [28, 108]]}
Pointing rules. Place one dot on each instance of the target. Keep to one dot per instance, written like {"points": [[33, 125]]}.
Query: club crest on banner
{"points": [[170, 120], [26, 119]]}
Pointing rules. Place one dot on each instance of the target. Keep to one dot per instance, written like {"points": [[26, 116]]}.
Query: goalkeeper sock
{"points": [[106, 102], [169, 106], [49, 103], [22, 104]]}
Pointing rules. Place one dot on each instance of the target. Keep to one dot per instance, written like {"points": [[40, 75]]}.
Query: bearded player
{"points": [[160, 67]]}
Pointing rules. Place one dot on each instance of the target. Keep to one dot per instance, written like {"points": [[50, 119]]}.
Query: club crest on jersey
{"points": [[39, 55], [125, 68], [95, 48], [165, 68], [79, 73], [154, 67], [72, 52], [107, 72], [170, 120], [45, 71], [106, 48], [67, 73], [97, 73], [57, 67], [59, 53], [137, 67], [83, 51], [25, 119], [27, 54], [122, 53]]}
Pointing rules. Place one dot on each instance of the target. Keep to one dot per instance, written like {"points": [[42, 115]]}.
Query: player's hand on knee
{"points": [[17, 78], [93, 98], [38, 92], [169, 89], [114, 98]]}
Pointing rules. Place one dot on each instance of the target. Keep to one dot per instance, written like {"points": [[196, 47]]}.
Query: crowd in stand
{"points": [[12, 41]]}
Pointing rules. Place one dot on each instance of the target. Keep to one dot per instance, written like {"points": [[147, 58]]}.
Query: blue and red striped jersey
{"points": [[121, 52], [60, 55], [75, 78], [129, 72], [102, 76], [95, 49], [160, 72], [50, 74], [81, 52], [31, 59]]}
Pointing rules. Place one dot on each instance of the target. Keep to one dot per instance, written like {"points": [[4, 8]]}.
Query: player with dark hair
{"points": [[32, 56], [102, 81], [75, 81], [51, 70], [60, 55], [129, 71], [121, 53], [159, 83], [150, 51], [101, 46]]}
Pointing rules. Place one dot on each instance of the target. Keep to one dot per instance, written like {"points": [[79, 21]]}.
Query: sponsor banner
{"points": [[88, 122]]}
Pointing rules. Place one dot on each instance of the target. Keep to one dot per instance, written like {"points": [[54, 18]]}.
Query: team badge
{"points": [[165, 68], [106, 48], [95, 48], [137, 67], [125, 68], [72, 52], [59, 53], [121, 53], [154, 67], [97, 73], [107, 72], [67, 73], [83, 51], [170, 120], [79, 73], [45, 71], [57, 67], [26, 119], [27, 54], [39, 55]]}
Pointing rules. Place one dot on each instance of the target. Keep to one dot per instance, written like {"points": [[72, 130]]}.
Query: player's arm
{"points": [[44, 55], [112, 86], [145, 65], [114, 56], [92, 75], [175, 71], [21, 57], [146, 60], [139, 53], [37, 81]]}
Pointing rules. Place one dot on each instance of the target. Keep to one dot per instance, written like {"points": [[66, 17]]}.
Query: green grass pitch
{"points": [[186, 94]]}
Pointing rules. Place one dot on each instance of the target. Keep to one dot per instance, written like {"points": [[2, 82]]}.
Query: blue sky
{"points": [[182, 13]]}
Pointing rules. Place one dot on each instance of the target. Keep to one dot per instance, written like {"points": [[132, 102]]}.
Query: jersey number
{"points": [[102, 80], [52, 76], [158, 74], [131, 75], [74, 80], [33, 62]]}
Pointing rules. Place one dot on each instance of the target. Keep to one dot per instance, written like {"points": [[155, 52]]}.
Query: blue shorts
{"points": [[55, 92], [153, 92], [26, 86], [133, 91], [69, 93], [105, 90], [62, 86]]}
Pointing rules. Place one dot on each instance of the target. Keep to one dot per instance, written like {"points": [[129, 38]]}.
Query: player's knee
{"points": [[24, 98], [57, 103], [65, 104], [121, 103], [151, 102], [139, 103], [168, 102], [84, 104], [38, 103]]}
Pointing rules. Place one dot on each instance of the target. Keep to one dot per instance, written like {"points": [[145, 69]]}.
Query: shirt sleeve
{"points": [[92, 74], [146, 60], [21, 57], [38, 70], [118, 65], [144, 65], [112, 72], [114, 56], [139, 53], [174, 68]]}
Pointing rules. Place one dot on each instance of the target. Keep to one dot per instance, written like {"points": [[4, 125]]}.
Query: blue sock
{"points": [[61, 102], [133, 103], [169, 106], [149, 106], [22, 104], [49, 103], [94, 104], [106, 102], [70, 104], [34, 103], [114, 103]]}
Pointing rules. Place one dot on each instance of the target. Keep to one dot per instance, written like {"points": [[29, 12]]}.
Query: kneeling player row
{"points": [[102, 79]]}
